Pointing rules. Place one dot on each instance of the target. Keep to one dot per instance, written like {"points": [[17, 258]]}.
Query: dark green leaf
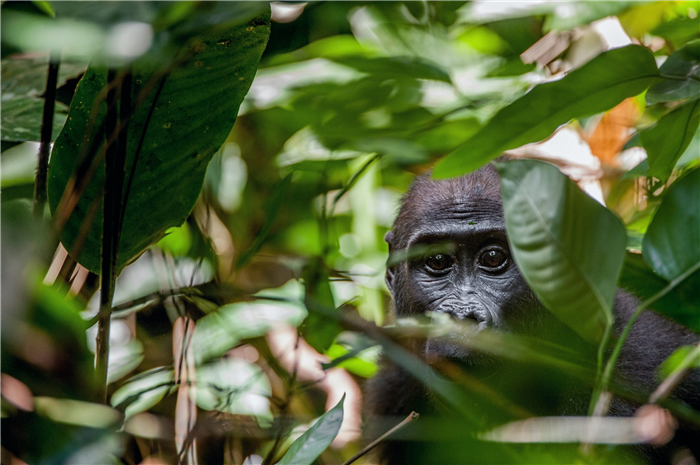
{"points": [[672, 242], [599, 85], [322, 324], [184, 119], [316, 439], [668, 139], [569, 248], [672, 247], [683, 66]]}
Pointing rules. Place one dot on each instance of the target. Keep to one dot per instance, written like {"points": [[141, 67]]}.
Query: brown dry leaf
{"points": [[612, 132]]}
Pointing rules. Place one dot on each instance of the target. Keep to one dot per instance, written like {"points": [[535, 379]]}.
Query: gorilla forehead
{"points": [[429, 203]]}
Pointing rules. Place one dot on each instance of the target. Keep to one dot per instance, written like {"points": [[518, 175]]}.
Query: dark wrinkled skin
{"points": [[462, 218]]}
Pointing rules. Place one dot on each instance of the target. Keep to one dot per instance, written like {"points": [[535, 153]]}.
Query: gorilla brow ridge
{"points": [[426, 193]]}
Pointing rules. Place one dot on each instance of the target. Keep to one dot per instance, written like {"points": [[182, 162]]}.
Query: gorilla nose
{"points": [[471, 314]]}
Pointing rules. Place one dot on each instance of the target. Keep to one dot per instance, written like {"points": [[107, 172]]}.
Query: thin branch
{"points": [[411, 417], [46, 131]]}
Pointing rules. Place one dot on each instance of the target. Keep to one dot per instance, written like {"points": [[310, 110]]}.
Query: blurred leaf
{"points": [[320, 327], [272, 210], [76, 412], [392, 67], [677, 358], [672, 247], [599, 85], [579, 13], [683, 66], [569, 248], [144, 391], [34, 33], [172, 135], [21, 119], [668, 139], [233, 386], [177, 241], [224, 329], [679, 30], [359, 361], [123, 359], [45, 7], [316, 439]]}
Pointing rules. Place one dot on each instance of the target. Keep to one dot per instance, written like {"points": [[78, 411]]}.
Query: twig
{"points": [[46, 131], [412, 416], [112, 201]]}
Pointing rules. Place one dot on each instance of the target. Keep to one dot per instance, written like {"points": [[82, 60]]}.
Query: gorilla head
{"points": [[464, 267]]}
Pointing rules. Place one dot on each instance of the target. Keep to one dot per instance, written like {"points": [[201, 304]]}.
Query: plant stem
{"points": [[609, 367], [110, 226], [46, 131], [412, 416]]}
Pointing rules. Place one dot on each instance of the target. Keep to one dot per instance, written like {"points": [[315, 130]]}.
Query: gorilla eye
{"points": [[438, 262], [492, 258]]}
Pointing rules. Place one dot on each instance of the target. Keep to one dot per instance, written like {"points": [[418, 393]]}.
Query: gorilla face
{"points": [[467, 270]]}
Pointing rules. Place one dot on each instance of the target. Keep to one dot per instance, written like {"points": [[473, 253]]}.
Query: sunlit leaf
{"points": [[599, 85], [683, 354], [683, 69], [173, 134], [668, 139], [316, 439], [75, 412], [223, 329], [390, 67], [144, 391], [234, 386], [569, 248]]}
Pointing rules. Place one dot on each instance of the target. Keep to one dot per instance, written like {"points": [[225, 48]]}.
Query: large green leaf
{"points": [[599, 85], [316, 439], [569, 248], [668, 139], [683, 66], [671, 246], [172, 136]]}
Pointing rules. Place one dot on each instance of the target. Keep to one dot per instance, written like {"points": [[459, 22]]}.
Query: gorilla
{"points": [[469, 274]]}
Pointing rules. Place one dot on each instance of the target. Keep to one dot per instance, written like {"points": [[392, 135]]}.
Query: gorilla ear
{"points": [[389, 239], [389, 277]]}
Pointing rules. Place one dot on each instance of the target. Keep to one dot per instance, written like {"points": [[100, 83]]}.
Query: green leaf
{"points": [[393, 67], [684, 355], [173, 134], [672, 242], [144, 391], [233, 386], [671, 246], [316, 439], [23, 84], [684, 66], [668, 139], [569, 248], [599, 85], [322, 324]]}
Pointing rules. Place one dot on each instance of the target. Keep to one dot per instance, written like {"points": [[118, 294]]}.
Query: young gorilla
{"points": [[479, 282]]}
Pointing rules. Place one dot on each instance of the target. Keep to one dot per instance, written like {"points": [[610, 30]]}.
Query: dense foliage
{"points": [[209, 227]]}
